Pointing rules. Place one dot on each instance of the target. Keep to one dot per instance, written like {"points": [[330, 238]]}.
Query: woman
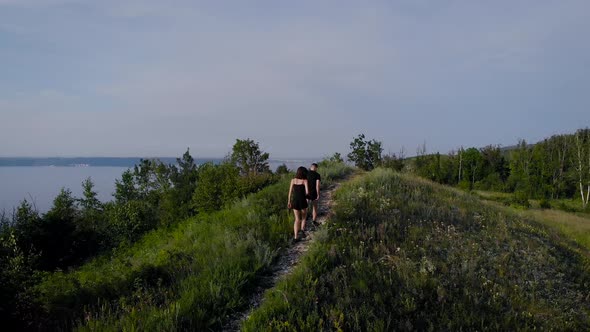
{"points": [[299, 191]]}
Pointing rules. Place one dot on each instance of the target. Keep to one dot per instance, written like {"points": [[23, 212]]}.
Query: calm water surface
{"points": [[40, 184]]}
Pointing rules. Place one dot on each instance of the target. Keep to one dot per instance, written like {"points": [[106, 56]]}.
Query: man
{"points": [[313, 180]]}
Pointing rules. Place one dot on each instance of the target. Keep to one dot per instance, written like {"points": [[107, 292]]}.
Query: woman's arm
{"points": [[290, 190], [306, 188]]}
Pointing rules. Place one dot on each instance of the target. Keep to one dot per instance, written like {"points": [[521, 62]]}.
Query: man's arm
{"points": [[317, 185]]}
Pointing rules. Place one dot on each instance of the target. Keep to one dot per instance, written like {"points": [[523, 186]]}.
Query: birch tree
{"points": [[583, 164]]}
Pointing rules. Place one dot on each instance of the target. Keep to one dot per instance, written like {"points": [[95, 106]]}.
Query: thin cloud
{"points": [[150, 78]]}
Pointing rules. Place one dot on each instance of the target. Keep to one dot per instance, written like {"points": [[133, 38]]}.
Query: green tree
{"points": [[91, 228], [57, 239], [393, 161], [125, 189], [582, 164], [248, 158], [282, 169], [336, 158], [89, 202], [520, 168], [184, 180], [218, 185], [129, 220], [364, 153], [472, 166], [494, 169]]}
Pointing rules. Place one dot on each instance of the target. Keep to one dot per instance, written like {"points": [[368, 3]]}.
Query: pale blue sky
{"points": [[150, 78]]}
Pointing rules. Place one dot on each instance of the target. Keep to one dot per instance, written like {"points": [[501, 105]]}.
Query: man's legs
{"points": [[314, 212]]}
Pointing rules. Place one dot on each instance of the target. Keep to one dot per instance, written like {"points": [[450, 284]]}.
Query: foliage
{"points": [[184, 181], [393, 161], [545, 204], [332, 170], [151, 195], [282, 169], [248, 158], [190, 277], [336, 158], [521, 198], [404, 254], [549, 169], [365, 154], [218, 185]]}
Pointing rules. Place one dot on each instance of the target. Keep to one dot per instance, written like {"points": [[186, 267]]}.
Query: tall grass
{"points": [[191, 277], [403, 253], [576, 227], [571, 223]]}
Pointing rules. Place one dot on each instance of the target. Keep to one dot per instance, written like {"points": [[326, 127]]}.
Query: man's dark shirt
{"points": [[312, 177]]}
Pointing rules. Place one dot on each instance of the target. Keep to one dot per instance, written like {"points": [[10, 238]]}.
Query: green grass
{"points": [[190, 277], [571, 225], [402, 253], [575, 225]]}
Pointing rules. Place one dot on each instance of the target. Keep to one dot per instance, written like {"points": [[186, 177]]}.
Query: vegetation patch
{"points": [[190, 277], [402, 253]]}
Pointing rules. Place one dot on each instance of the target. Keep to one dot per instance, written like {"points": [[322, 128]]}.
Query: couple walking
{"points": [[304, 187]]}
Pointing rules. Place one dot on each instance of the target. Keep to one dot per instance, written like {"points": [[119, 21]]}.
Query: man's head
{"points": [[314, 167]]}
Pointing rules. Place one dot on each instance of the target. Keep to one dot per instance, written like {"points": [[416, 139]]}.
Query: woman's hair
{"points": [[301, 173]]}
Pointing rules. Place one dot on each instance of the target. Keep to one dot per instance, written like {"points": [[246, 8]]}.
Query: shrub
{"points": [[464, 185], [521, 198], [545, 204]]}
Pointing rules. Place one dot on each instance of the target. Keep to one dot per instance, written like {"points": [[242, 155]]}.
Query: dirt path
{"points": [[286, 262]]}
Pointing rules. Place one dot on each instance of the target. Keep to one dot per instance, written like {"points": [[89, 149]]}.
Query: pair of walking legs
{"points": [[300, 216]]}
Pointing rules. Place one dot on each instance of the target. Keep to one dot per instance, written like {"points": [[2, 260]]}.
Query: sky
{"points": [[301, 78]]}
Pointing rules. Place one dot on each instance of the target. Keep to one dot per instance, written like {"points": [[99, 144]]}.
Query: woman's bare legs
{"points": [[297, 223], [303, 218]]}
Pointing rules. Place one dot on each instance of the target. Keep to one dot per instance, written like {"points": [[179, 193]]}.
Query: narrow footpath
{"points": [[286, 262]]}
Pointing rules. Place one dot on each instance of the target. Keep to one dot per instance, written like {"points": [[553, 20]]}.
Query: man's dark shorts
{"points": [[313, 196]]}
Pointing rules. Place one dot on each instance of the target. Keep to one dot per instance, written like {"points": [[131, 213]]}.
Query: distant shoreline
{"points": [[111, 161]]}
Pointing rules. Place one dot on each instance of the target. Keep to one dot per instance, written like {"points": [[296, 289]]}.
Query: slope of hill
{"points": [[191, 277], [403, 253]]}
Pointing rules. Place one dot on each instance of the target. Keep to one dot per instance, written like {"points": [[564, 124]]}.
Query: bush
{"points": [[545, 204], [464, 185], [521, 198]]}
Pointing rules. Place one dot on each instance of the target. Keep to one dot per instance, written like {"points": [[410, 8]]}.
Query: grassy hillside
{"points": [[188, 278], [403, 253], [571, 220]]}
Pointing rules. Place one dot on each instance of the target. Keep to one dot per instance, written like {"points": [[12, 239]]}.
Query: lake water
{"points": [[40, 184]]}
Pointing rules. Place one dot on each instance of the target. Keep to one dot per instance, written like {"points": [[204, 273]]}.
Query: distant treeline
{"points": [[555, 168], [153, 194], [89, 161]]}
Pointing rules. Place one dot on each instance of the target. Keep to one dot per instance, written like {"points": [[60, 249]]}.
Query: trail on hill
{"points": [[286, 262]]}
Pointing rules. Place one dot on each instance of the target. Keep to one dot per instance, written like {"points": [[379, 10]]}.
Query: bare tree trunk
{"points": [[580, 169], [460, 162], [562, 154], [588, 180]]}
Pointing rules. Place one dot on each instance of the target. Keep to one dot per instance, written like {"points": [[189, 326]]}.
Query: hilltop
{"points": [[403, 253]]}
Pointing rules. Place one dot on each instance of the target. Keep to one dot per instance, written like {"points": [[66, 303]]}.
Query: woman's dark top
{"points": [[299, 200]]}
